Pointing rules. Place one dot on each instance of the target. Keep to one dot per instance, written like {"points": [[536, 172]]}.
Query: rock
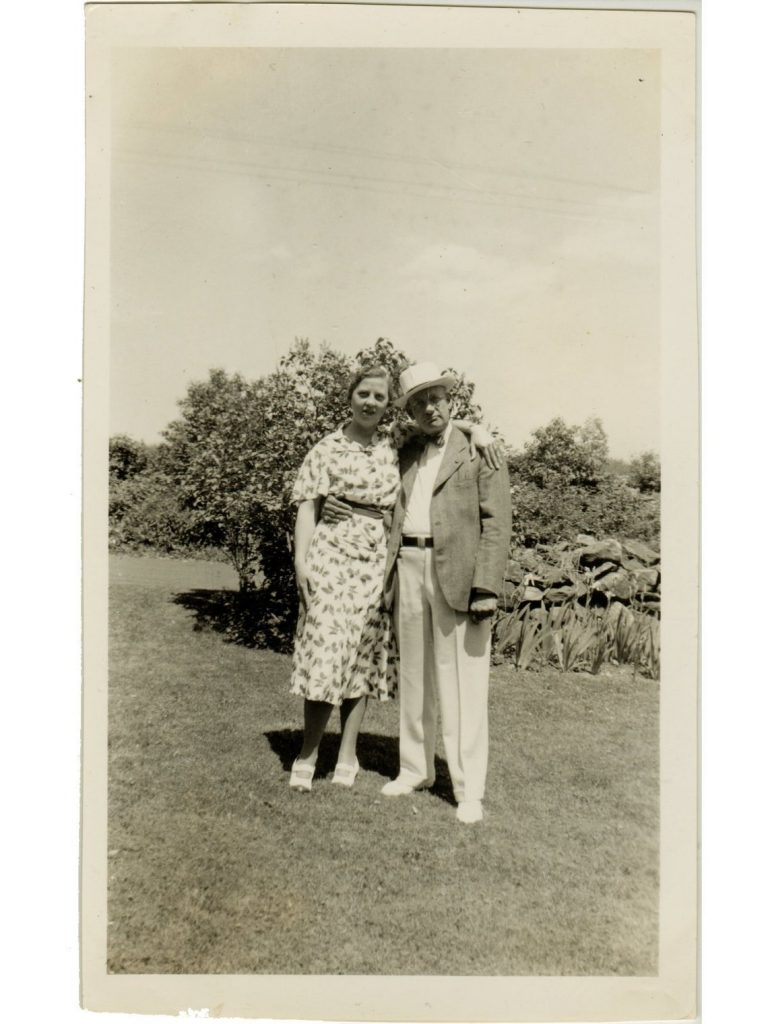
{"points": [[636, 549], [632, 564], [532, 594], [647, 579], [617, 583], [514, 572], [601, 551], [555, 578], [603, 569], [528, 560], [584, 540]]}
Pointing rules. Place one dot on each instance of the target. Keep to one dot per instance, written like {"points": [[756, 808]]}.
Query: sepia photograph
{"points": [[391, 450]]}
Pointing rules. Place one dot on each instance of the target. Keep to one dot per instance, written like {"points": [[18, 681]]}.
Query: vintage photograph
{"points": [[396, 466]]}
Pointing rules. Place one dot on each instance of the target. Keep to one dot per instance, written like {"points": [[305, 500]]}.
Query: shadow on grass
{"points": [[375, 753], [254, 619]]}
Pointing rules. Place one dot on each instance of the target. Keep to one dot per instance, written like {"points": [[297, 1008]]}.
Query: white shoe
{"points": [[302, 774], [469, 811], [345, 774], [399, 787]]}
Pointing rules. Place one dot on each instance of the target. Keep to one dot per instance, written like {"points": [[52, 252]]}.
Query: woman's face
{"points": [[369, 401]]}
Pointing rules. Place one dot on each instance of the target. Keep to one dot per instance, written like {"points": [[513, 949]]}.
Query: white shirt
{"points": [[417, 522]]}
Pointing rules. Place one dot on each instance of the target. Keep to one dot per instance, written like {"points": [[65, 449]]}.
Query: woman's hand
{"points": [[303, 583], [491, 449]]}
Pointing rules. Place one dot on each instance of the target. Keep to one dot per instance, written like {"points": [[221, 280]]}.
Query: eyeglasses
{"points": [[425, 398]]}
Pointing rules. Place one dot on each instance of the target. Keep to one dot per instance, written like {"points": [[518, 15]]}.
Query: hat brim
{"points": [[446, 381]]}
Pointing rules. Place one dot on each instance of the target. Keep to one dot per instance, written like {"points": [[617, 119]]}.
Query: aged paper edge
{"points": [[673, 994]]}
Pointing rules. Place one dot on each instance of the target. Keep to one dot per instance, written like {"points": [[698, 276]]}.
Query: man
{"points": [[445, 564]]}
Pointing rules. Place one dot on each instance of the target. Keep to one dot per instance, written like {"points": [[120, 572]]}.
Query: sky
{"points": [[496, 211]]}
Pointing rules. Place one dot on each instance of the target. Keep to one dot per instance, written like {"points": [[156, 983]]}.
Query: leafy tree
{"points": [[645, 473], [210, 452], [618, 467], [592, 441], [301, 402], [559, 455], [127, 457], [145, 511], [383, 353], [236, 447], [563, 486]]}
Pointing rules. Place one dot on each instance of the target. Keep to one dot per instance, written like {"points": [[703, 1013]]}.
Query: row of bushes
{"points": [[220, 480], [148, 512]]}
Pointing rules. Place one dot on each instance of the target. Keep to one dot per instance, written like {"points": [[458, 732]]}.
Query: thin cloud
{"points": [[462, 274]]}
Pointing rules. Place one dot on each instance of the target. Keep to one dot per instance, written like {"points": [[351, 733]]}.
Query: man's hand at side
{"points": [[482, 605]]}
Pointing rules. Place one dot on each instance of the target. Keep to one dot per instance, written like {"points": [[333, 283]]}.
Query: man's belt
{"points": [[365, 510], [417, 542]]}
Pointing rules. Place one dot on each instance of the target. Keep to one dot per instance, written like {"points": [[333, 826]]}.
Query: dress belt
{"points": [[364, 510], [417, 542]]}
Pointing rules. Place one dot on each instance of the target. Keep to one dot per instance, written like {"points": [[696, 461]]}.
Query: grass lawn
{"points": [[217, 867]]}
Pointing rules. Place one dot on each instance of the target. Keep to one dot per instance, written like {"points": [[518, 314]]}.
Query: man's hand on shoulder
{"points": [[482, 605]]}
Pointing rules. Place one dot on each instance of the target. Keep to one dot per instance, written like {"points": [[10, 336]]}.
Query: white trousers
{"points": [[445, 658]]}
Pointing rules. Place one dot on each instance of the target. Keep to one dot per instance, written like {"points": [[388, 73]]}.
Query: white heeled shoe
{"points": [[301, 776], [345, 774]]}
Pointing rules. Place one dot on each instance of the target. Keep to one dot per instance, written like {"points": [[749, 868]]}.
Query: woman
{"points": [[343, 652]]}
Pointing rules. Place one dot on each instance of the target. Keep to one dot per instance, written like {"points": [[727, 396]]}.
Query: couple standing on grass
{"points": [[413, 521]]}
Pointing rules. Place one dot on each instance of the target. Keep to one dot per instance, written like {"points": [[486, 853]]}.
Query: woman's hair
{"points": [[370, 370]]}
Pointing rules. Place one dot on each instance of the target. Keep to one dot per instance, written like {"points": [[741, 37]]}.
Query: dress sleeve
{"points": [[312, 480]]}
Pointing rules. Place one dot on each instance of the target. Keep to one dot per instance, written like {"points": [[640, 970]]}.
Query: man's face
{"points": [[431, 410]]}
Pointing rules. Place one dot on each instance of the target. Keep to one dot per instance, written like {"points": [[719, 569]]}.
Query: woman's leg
{"points": [[351, 713], [316, 715]]}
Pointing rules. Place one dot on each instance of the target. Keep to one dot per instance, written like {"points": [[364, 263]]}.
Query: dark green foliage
{"points": [[222, 477], [127, 457], [236, 448], [562, 486], [145, 512], [645, 473], [559, 455], [383, 353], [577, 637]]}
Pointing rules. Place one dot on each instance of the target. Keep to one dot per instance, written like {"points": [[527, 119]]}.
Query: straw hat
{"points": [[420, 376]]}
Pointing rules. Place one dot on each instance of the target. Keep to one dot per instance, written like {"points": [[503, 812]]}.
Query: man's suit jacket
{"points": [[471, 522]]}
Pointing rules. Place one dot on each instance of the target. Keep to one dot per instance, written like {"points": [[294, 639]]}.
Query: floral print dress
{"points": [[344, 646]]}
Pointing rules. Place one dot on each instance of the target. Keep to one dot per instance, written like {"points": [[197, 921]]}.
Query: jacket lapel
{"points": [[456, 451]]}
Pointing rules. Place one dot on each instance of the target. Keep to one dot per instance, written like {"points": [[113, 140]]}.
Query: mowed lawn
{"points": [[217, 867]]}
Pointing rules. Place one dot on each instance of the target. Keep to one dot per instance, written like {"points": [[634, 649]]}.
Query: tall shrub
{"points": [[562, 486]]}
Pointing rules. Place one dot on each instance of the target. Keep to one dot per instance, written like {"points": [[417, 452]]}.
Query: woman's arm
{"points": [[482, 440], [306, 519]]}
